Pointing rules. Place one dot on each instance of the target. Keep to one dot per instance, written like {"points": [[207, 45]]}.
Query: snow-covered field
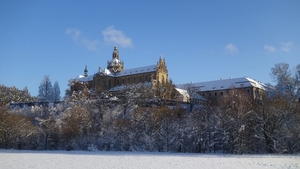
{"points": [[14, 159]]}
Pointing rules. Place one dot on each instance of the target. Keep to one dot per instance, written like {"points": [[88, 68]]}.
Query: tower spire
{"points": [[115, 65], [115, 54], [85, 71]]}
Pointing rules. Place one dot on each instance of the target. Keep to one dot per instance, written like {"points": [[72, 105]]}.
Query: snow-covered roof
{"points": [[82, 78], [126, 72], [130, 86], [224, 84], [107, 72], [183, 92], [138, 70], [186, 95]]}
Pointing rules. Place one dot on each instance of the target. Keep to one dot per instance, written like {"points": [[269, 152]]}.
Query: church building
{"points": [[114, 77]]}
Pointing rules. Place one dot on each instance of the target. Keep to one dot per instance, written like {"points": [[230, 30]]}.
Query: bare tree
{"points": [[194, 97], [15, 130], [76, 126], [278, 124], [237, 109]]}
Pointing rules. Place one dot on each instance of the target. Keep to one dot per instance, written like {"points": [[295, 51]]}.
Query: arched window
{"points": [[162, 79]]}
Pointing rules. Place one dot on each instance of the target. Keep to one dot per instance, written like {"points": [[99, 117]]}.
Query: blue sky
{"points": [[200, 40]]}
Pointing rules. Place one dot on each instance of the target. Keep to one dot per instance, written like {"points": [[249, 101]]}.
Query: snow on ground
{"points": [[14, 159]]}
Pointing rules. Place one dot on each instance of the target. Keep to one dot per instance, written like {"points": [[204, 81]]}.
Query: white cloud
{"points": [[270, 48], [74, 33], [76, 36], [116, 37], [286, 47], [232, 49], [90, 44]]}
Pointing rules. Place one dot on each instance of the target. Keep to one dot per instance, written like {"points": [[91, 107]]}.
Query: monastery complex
{"points": [[114, 78]]}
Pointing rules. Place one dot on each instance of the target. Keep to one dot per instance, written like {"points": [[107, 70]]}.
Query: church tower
{"points": [[85, 71], [115, 65]]}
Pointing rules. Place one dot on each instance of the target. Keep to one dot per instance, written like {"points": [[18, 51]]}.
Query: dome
{"points": [[115, 65]]}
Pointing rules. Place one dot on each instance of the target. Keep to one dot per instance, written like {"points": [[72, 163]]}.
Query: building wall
{"points": [[255, 93], [107, 82], [137, 78]]}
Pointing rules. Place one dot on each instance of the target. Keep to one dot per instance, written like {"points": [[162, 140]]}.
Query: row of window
{"points": [[128, 80], [133, 79], [221, 93], [212, 94]]}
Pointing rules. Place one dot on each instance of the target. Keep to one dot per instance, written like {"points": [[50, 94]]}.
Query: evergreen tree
{"points": [[45, 90], [56, 92]]}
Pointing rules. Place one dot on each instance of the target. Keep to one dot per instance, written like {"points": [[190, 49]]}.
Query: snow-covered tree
{"points": [[235, 121], [56, 92], [45, 90], [193, 95], [12, 94], [77, 90], [286, 84], [297, 81], [273, 116]]}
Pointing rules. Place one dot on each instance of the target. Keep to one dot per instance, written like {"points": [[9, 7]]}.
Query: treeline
{"points": [[235, 123]]}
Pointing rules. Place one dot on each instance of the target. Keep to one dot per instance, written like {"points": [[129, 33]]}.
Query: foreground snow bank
{"points": [[15, 159]]}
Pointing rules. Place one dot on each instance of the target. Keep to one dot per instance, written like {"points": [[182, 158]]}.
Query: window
{"points": [[221, 93], [216, 94], [109, 84]]}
